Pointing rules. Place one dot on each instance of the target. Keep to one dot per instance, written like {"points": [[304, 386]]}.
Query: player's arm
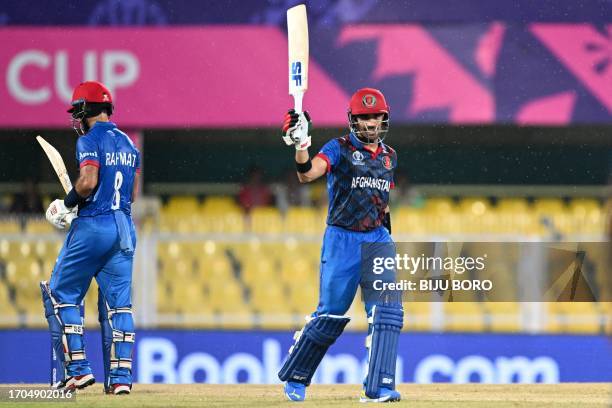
{"points": [[316, 169], [83, 187], [87, 181], [61, 212], [87, 156]]}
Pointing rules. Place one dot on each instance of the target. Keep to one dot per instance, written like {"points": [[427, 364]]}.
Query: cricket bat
{"points": [[57, 162], [57, 369], [297, 33]]}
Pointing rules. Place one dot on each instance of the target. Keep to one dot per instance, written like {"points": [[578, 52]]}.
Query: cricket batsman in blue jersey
{"points": [[359, 169], [100, 244]]}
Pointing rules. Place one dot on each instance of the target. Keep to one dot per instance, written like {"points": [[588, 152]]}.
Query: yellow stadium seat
{"points": [[41, 250], [179, 222], [258, 269], [266, 220], [178, 270], [299, 270], [269, 297], [27, 290], [182, 204], [318, 192], [605, 310], [588, 216], [4, 295], [407, 220], [241, 319], [91, 306], [584, 205], [443, 223], [359, 319], [39, 226], [503, 316], [575, 317], [219, 203], [165, 302], [293, 249], [463, 316], [173, 250], [207, 248], [474, 205], [516, 205], [194, 299], [32, 314], [245, 251], [548, 205], [303, 297], [9, 226], [417, 316], [226, 221], [213, 268], [15, 250], [303, 220], [439, 205], [11, 271], [8, 313], [226, 296]]}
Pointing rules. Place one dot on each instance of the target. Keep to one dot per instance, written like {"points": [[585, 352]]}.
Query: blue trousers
{"points": [[340, 269], [92, 250]]}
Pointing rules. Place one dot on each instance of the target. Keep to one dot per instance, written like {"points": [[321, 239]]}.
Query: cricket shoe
{"points": [[80, 381], [121, 389], [385, 395], [295, 391]]}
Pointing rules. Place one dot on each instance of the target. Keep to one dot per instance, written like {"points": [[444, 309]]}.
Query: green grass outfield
{"points": [[433, 395]]}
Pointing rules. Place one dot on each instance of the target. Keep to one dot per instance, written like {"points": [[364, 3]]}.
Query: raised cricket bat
{"points": [[297, 32], [57, 162]]}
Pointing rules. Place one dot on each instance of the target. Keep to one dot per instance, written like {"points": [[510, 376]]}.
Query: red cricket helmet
{"points": [[368, 101], [89, 99], [90, 92]]}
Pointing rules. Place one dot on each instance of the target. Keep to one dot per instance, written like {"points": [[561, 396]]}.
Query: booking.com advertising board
{"points": [[173, 356]]}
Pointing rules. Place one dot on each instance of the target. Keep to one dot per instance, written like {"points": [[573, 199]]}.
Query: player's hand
{"points": [[60, 216], [295, 129]]}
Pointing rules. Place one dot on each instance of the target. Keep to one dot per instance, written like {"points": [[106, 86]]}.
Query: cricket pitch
{"points": [[413, 395]]}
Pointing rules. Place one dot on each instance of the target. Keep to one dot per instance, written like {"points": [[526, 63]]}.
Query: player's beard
{"points": [[370, 134]]}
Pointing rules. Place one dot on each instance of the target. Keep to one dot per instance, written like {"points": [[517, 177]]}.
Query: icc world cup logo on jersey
{"points": [[387, 162]]}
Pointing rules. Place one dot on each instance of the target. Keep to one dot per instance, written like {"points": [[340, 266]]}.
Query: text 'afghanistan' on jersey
{"points": [[358, 182]]}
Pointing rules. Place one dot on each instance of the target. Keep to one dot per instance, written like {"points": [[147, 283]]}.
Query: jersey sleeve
{"points": [[87, 152], [330, 152]]}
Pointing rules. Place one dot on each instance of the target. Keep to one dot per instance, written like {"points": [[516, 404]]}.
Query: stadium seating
{"points": [[9, 226], [261, 269]]}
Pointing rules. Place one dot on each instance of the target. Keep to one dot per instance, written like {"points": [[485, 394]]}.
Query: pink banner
{"points": [[159, 77]]}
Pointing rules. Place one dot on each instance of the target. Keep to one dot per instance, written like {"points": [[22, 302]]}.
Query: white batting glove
{"points": [[59, 216], [295, 130]]}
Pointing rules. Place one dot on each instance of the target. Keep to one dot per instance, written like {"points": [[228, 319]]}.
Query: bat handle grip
{"points": [[297, 99]]}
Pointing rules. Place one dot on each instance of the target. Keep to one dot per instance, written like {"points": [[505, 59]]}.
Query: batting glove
{"points": [[295, 129], [60, 216]]}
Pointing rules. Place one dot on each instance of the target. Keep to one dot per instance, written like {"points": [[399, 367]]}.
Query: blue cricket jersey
{"points": [[112, 151], [358, 182]]}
